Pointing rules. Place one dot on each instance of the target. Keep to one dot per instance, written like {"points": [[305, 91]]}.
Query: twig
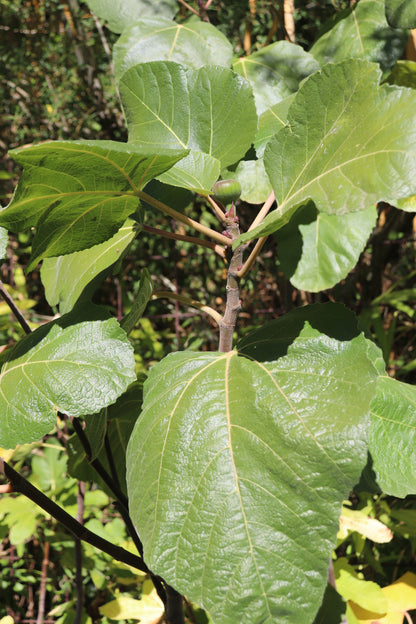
{"points": [[233, 304], [162, 294], [20, 484], [188, 6], [263, 211], [216, 208], [252, 257], [174, 607], [288, 10], [19, 316], [42, 588], [186, 239], [220, 238], [78, 555]]}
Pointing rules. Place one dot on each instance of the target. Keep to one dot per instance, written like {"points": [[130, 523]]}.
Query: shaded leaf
{"points": [[348, 144], [119, 14], [148, 609], [72, 368], [223, 438], [192, 44], [361, 32], [79, 193], [332, 609], [403, 74], [91, 266], [275, 72], [318, 250], [117, 421], [209, 110], [255, 183], [392, 439], [401, 13]]}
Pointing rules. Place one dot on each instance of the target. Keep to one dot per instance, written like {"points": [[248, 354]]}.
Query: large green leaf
{"points": [[197, 172], [275, 72], [90, 267], [317, 250], [209, 110], [4, 241], [393, 436], [193, 44], [120, 14], [140, 302], [361, 32], [270, 122], [72, 368], [348, 143], [79, 193], [255, 183], [401, 13], [237, 469]]}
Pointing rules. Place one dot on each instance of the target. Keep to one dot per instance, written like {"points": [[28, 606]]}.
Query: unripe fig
{"points": [[226, 191]]}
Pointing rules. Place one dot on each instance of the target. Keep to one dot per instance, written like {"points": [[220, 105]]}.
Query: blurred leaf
{"points": [[275, 72], [256, 438], [119, 14], [318, 250], [75, 369], [367, 594], [192, 44], [4, 241], [348, 143], [49, 469], [148, 610], [91, 266], [79, 193], [403, 74], [358, 521], [21, 516], [332, 609], [401, 13], [209, 110], [361, 32], [400, 596]]}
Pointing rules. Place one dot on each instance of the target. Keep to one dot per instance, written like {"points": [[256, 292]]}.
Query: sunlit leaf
{"points": [[79, 193], [400, 597], [255, 183], [270, 122], [192, 44], [91, 267], [75, 369], [348, 143], [367, 594], [221, 439], [210, 110], [148, 609], [196, 172]]}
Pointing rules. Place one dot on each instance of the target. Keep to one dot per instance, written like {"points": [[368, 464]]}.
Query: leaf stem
{"points": [[216, 208], [18, 315], [252, 257], [161, 294], [203, 229], [22, 485], [263, 211], [186, 239]]}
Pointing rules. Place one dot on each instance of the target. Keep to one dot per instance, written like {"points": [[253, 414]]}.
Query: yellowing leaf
{"points": [[7, 620], [354, 520], [401, 597], [148, 610]]}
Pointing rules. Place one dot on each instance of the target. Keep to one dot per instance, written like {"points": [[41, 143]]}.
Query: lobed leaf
{"points": [[235, 465], [209, 110], [361, 32], [196, 172], [79, 193], [348, 143], [192, 44], [74, 369]]}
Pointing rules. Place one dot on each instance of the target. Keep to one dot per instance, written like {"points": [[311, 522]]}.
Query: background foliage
{"points": [[57, 83]]}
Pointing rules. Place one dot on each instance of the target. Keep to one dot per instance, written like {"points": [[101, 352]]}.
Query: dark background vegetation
{"points": [[57, 83]]}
